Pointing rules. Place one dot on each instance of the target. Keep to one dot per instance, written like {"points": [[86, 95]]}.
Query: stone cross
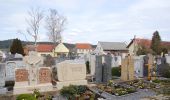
{"points": [[33, 61]]}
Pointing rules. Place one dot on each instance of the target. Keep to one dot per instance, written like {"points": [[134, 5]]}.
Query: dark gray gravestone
{"points": [[107, 67], [98, 69], [145, 67], [2, 75]]}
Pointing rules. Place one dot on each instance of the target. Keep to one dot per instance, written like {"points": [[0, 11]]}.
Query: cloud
{"points": [[97, 20]]}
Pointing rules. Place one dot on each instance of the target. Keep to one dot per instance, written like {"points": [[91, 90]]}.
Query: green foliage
{"points": [[142, 50], [156, 81], [116, 71], [72, 91], [16, 47], [25, 97], [36, 93], [88, 67], [156, 43]]}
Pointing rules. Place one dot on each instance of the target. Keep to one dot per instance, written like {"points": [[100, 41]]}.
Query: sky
{"points": [[90, 21]]}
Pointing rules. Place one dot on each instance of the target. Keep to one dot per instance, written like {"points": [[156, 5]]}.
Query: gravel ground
{"points": [[133, 96]]}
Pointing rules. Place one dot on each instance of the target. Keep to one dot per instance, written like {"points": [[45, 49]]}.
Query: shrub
{"points": [[25, 97], [116, 71], [72, 91], [36, 93]]}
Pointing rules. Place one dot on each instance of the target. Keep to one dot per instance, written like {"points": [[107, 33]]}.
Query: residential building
{"points": [[45, 49], [83, 48], [115, 48], [135, 43]]}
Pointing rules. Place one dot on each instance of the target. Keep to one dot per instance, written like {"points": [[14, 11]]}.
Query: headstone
{"points": [[2, 75], [18, 56], [127, 69], [116, 61], [107, 67], [33, 61], [168, 59], [92, 64], [145, 67], [71, 72], [138, 66], [10, 70], [98, 69]]}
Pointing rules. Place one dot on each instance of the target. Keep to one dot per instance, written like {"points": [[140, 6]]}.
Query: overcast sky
{"points": [[91, 20]]}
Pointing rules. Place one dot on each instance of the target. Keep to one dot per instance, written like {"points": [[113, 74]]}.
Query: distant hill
{"points": [[5, 44]]}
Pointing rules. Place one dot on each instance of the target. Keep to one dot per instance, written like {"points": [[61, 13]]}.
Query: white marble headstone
{"points": [[10, 70], [168, 59], [71, 71]]}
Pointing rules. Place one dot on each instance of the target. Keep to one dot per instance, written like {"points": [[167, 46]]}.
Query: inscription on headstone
{"points": [[10, 70]]}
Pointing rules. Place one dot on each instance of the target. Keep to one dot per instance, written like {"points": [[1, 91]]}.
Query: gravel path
{"points": [[133, 96]]}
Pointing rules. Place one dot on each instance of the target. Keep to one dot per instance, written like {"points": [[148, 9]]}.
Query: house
{"points": [[83, 48], [28, 48], [45, 49], [116, 48], [135, 43], [61, 50]]}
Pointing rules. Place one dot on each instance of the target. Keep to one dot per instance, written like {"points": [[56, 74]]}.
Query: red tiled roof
{"points": [[144, 42], [45, 47], [147, 42], [83, 46]]}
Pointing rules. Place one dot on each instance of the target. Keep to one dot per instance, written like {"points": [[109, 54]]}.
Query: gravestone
{"points": [[98, 69], [33, 61], [168, 59], [107, 67], [92, 64], [138, 66], [145, 67], [10, 70], [116, 61], [127, 68], [70, 72], [2, 75]]}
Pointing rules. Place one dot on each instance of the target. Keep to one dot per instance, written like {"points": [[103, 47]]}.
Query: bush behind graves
{"points": [[116, 71]]}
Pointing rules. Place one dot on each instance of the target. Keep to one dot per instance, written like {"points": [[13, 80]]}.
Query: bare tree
{"points": [[55, 26], [35, 17]]}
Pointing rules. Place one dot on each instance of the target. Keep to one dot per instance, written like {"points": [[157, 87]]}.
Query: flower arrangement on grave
{"points": [[74, 92]]}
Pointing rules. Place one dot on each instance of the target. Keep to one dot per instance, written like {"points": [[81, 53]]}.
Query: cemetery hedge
{"points": [[116, 71]]}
